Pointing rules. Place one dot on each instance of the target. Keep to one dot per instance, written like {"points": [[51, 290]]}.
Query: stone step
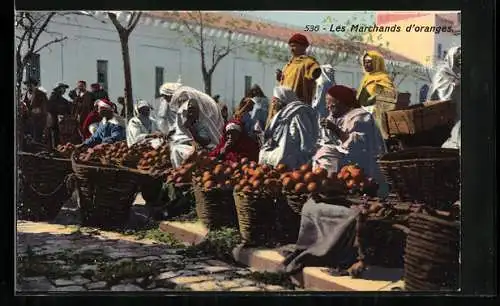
{"points": [[311, 278]]}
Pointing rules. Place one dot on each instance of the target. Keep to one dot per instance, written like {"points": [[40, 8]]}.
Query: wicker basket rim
{"points": [[393, 155], [77, 164], [43, 157], [417, 160], [413, 217]]}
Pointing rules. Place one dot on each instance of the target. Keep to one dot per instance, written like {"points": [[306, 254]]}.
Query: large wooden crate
{"points": [[385, 101], [421, 118]]}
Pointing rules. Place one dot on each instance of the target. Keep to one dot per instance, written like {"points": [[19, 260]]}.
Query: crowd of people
{"points": [[308, 117]]}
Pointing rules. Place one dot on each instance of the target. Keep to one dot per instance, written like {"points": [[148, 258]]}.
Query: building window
{"points": [[33, 68], [439, 51], [102, 73], [159, 72], [248, 84]]}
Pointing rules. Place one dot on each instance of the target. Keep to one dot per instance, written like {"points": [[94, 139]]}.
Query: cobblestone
{"points": [[78, 258]]}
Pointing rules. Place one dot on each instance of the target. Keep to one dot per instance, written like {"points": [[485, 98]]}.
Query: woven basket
{"points": [[256, 218], [288, 210], [431, 253], [44, 185], [151, 189], [106, 193], [296, 202], [68, 130], [215, 208], [379, 244], [427, 175]]}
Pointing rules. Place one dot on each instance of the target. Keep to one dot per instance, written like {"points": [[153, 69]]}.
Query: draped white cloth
{"points": [[166, 114], [446, 81], [209, 125], [291, 136], [454, 142], [323, 83]]}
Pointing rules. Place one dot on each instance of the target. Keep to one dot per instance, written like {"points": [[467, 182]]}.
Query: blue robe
{"points": [[107, 132]]}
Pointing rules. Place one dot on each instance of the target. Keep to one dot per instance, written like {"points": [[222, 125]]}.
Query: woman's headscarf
{"points": [[286, 96], [325, 81], [327, 74], [146, 121], [209, 112], [378, 76], [446, 77]]}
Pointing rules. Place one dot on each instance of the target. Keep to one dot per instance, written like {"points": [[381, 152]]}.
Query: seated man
{"points": [[111, 129], [350, 136]]}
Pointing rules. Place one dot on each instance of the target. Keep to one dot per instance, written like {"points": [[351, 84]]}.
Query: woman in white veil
{"points": [[198, 124], [446, 86], [446, 81], [292, 133]]}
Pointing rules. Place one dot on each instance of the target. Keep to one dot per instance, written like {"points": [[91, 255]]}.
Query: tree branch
{"points": [[136, 16], [202, 46], [116, 23], [218, 59], [40, 30], [214, 51], [195, 35], [55, 41]]}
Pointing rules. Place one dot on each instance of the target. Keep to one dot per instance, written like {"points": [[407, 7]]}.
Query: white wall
{"points": [[90, 40]]}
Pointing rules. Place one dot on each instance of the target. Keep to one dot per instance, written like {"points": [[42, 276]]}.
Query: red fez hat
{"points": [[299, 39], [344, 94]]}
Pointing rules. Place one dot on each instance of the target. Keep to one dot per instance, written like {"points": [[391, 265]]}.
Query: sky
{"points": [[302, 18]]}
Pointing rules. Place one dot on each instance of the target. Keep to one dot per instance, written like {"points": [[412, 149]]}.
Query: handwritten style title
{"points": [[374, 28]]}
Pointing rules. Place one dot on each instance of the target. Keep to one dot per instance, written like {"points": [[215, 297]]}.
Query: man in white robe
{"points": [[141, 126]]}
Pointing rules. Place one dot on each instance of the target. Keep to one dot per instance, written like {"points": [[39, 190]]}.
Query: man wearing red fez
{"points": [[301, 71], [349, 136], [112, 127]]}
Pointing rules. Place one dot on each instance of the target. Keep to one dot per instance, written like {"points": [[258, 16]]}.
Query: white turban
{"points": [[168, 89], [140, 104], [285, 94], [143, 103], [233, 126]]}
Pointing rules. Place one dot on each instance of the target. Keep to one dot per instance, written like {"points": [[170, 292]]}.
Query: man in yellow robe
{"points": [[300, 73]]}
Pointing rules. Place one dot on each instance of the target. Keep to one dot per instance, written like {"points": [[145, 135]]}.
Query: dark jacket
{"points": [[100, 94], [58, 105]]}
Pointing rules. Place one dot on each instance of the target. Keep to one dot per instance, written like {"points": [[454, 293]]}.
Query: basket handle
{"points": [[68, 179], [401, 227]]}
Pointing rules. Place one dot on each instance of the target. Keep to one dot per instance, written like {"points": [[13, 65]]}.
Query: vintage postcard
{"points": [[237, 151]]}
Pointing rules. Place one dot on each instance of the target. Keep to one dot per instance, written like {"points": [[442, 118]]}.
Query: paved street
{"points": [[55, 257]]}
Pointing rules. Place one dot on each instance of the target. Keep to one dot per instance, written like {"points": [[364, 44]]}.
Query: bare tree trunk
{"points": [[129, 101], [19, 80], [207, 80]]}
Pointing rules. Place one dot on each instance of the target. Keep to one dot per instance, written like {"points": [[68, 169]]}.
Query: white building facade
{"points": [[158, 54]]}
